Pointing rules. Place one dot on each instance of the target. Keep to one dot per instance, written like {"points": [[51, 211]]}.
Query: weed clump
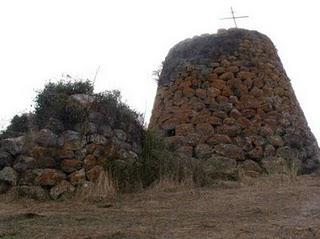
{"points": [[104, 189]]}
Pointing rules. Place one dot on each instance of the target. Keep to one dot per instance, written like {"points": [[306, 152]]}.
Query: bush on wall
{"points": [[19, 125], [118, 114], [52, 101]]}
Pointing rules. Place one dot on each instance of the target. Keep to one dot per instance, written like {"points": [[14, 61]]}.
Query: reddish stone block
{"points": [[219, 139], [70, 165], [90, 161], [48, 177]]}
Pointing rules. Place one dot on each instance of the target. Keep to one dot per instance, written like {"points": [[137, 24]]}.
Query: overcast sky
{"points": [[41, 40]]}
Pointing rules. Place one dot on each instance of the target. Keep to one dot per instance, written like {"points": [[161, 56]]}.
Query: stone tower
{"points": [[227, 94]]}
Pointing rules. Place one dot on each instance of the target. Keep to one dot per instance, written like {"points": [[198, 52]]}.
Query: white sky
{"points": [[41, 40]]}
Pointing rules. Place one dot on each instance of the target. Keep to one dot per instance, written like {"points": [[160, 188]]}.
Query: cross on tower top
{"points": [[234, 18]]}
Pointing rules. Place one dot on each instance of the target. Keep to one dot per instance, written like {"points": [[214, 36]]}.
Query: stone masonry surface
{"points": [[43, 164], [227, 95]]}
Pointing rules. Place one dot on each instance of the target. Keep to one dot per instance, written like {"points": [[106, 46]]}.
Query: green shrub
{"points": [[19, 123], [74, 113], [118, 114], [18, 126], [52, 102], [160, 163], [107, 103], [157, 160]]}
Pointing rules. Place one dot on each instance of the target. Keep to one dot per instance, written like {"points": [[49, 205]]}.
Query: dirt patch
{"points": [[265, 209]]}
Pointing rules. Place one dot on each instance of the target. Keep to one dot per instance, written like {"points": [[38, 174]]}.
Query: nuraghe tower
{"points": [[227, 94]]}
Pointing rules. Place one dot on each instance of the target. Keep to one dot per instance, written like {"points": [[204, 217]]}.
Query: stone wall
{"points": [[227, 95], [43, 164]]}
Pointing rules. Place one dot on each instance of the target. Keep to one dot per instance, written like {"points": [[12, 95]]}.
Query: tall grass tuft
{"points": [[105, 188]]}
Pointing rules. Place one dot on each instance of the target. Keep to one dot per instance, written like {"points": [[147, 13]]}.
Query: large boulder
{"points": [[97, 139], [45, 157], [48, 177], [5, 159], [230, 151], [37, 151], [33, 192], [106, 131], [276, 140], [77, 177], [80, 154], [60, 189], [218, 139], [311, 165], [250, 168], [64, 153], [24, 163], [71, 165], [8, 175], [27, 178], [14, 146], [274, 165], [72, 140], [218, 167], [120, 134], [203, 151], [46, 138]]}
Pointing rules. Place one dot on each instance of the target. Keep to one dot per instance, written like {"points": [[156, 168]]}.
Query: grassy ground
{"points": [[267, 208]]}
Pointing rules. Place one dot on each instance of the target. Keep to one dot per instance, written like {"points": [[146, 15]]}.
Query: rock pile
{"points": [[226, 98], [43, 163]]}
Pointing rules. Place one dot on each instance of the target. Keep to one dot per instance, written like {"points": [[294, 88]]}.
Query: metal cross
{"points": [[233, 17]]}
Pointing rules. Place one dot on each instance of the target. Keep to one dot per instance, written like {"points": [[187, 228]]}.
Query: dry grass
{"points": [[268, 181], [105, 188], [288, 175], [270, 211], [171, 184], [292, 170]]}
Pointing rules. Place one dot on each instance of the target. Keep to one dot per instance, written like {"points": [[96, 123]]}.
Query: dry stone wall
{"points": [[42, 164], [227, 97]]}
